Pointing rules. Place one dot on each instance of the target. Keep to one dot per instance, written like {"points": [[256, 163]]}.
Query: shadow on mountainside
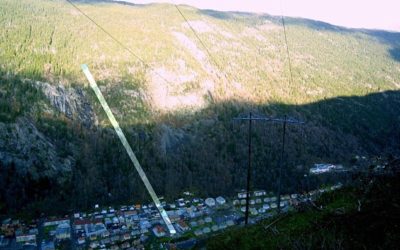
{"points": [[202, 151]]}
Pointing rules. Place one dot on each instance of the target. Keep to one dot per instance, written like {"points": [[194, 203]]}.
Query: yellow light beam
{"points": [[128, 148]]}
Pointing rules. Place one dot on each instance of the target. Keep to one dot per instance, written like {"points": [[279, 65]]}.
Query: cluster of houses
{"points": [[325, 168], [260, 203], [25, 234], [132, 227]]}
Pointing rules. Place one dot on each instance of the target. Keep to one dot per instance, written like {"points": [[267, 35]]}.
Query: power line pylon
{"points": [[250, 119]]}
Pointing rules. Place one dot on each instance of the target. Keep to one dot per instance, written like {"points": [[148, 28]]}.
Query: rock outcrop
{"points": [[30, 150], [72, 102]]}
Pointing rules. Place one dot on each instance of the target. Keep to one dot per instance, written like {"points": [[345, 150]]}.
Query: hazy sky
{"points": [[381, 14]]}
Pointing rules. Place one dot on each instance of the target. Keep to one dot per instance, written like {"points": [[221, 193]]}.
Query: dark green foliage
{"points": [[344, 87], [366, 217]]}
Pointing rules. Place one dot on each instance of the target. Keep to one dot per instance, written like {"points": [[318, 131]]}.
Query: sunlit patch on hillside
{"points": [[170, 91], [206, 27]]}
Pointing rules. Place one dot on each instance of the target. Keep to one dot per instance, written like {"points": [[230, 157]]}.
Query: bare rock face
{"points": [[171, 140], [30, 151], [72, 102]]}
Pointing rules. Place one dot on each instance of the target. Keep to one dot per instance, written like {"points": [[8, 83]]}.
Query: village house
{"points": [[8, 227], [63, 231], [210, 202], [198, 232], [183, 226], [159, 231], [95, 228], [220, 200], [81, 240], [25, 237], [55, 222], [260, 193], [206, 230], [242, 195], [80, 224], [230, 223], [266, 206]]}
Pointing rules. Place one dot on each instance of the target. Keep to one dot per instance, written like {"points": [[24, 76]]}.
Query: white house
{"points": [[210, 202], [183, 226], [63, 231], [159, 231], [242, 195], [220, 200], [28, 237], [260, 193], [55, 222]]}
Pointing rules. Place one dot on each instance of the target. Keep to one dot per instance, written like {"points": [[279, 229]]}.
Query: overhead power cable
{"points": [[116, 40], [287, 49], [198, 37]]}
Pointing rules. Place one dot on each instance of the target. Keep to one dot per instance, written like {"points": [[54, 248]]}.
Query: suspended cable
{"points": [[287, 49], [198, 37], [116, 40]]}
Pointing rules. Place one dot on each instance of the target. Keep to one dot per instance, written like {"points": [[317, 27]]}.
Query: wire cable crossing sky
{"points": [[128, 148]]}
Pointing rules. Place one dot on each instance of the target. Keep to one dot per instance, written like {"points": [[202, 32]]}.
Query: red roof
{"points": [[56, 219], [182, 224], [133, 212], [160, 229], [87, 221]]}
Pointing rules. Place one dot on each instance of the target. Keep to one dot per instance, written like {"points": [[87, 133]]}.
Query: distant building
{"points": [[220, 200], [48, 245], [206, 230], [266, 206], [230, 223], [183, 226], [324, 168], [63, 231], [159, 231], [210, 202], [198, 232], [242, 195], [25, 237], [56, 222], [260, 193], [95, 229]]}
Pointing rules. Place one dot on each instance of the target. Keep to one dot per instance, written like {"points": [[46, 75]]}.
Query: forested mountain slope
{"points": [[176, 102]]}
